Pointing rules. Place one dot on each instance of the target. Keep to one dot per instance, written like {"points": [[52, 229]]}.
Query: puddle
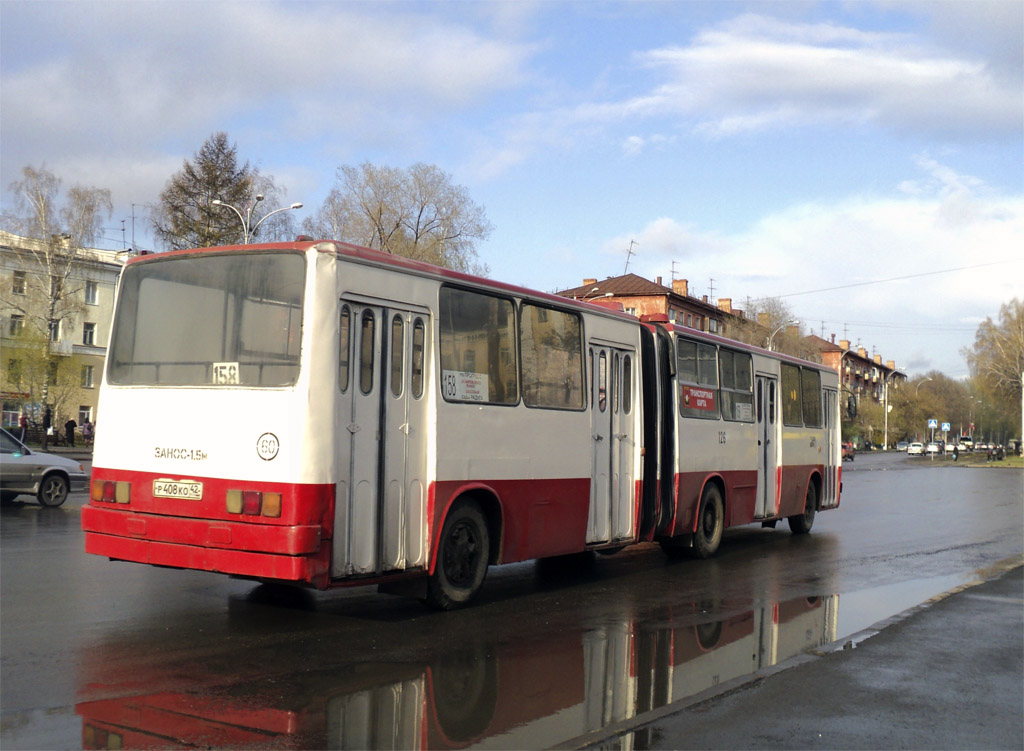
{"points": [[564, 685], [864, 608]]}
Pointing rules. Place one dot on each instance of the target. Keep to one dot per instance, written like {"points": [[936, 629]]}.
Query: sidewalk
{"points": [[948, 674]]}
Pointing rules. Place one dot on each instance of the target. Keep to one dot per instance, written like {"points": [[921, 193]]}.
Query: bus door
{"points": [[830, 486], [612, 376], [766, 407], [380, 498]]}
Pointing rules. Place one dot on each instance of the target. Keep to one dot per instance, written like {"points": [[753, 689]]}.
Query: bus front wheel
{"points": [[462, 557]]}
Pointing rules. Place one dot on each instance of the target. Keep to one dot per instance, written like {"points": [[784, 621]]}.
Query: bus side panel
{"points": [[795, 481], [540, 518]]}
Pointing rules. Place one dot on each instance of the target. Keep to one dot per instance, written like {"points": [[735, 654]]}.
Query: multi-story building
{"points": [[860, 374], [639, 297], [78, 339]]}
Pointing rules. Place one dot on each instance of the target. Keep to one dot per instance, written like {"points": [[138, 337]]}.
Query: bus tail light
{"points": [[253, 503], [110, 491]]}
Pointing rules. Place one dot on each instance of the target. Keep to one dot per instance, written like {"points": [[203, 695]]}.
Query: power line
{"points": [[892, 279]]}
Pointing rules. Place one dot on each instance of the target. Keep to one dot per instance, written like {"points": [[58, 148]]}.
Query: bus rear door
{"points": [[380, 498]]}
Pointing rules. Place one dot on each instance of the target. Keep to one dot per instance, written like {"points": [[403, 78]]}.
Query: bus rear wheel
{"points": [[710, 522], [462, 557], [801, 523]]}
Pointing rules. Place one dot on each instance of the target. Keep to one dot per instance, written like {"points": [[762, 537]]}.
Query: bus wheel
{"points": [[710, 522], [462, 556], [802, 523]]}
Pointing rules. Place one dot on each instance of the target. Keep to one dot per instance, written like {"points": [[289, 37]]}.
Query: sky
{"points": [[861, 161]]}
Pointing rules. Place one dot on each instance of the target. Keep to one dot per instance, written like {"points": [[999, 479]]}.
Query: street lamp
{"points": [[885, 394], [248, 228], [771, 336], [919, 385]]}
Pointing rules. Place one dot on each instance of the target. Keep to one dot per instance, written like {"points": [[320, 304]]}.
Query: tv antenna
{"points": [[629, 254]]}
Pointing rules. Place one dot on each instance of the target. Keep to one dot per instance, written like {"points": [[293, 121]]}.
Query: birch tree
{"points": [[55, 225]]}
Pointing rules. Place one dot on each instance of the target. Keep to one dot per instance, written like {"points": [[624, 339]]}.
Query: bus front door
{"points": [[766, 401], [380, 498], [612, 375]]}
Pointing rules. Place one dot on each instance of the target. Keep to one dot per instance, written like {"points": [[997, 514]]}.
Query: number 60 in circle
{"points": [[267, 446]]}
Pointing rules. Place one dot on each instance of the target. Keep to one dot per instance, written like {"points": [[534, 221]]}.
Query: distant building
{"points": [[859, 373], [639, 297], [84, 335]]}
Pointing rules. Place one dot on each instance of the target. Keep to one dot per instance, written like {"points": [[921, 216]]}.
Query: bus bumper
{"points": [[287, 553]]}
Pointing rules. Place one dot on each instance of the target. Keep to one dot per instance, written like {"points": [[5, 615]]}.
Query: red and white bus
{"points": [[327, 415]]}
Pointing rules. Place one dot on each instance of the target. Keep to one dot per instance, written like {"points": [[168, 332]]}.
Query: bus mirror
{"points": [[851, 407]]}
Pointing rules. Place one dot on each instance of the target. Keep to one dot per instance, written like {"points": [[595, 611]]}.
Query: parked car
{"points": [[24, 471], [949, 447], [915, 449], [848, 452], [932, 448], [902, 446]]}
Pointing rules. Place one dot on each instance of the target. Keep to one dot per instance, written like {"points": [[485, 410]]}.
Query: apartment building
{"points": [[78, 338]]}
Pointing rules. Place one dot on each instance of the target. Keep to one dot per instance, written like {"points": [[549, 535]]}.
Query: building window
{"points": [[87, 375], [14, 371], [54, 331], [84, 413], [91, 293], [18, 283], [89, 333], [712, 325], [16, 324]]}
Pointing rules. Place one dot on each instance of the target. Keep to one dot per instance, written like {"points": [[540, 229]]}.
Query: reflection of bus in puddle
{"points": [[511, 695]]}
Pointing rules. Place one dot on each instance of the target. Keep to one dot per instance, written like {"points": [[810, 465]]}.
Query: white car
{"points": [[915, 449], [932, 448]]}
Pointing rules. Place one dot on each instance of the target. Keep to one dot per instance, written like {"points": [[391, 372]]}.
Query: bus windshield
{"points": [[209, 320]]}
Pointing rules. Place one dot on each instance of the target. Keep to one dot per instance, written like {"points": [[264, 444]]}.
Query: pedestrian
{"points": [[87, 432], [69, 432], [47, 427], [23, 424], [956, 452]]}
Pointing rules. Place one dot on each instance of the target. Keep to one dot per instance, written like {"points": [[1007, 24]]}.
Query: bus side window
{"points": [[418, 336], [366, 350], [791, 395], [811, 391], [344, 348]]}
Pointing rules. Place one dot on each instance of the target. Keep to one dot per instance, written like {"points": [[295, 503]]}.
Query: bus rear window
{"points": [[209, 320]]}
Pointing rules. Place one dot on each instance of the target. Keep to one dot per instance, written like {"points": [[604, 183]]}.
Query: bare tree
{"points": [[418, 213], [55, 228], [771, 324], [997, 357]]}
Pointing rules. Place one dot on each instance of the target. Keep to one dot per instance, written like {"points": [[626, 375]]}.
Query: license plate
{"points": [[187, 489]]}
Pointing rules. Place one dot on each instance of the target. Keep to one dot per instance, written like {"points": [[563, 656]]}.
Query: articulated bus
{"points": [[328, 415]]}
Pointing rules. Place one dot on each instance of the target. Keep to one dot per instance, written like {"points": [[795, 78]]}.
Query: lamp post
{"points": [[248, 228], [885, 394], [771, 336]]}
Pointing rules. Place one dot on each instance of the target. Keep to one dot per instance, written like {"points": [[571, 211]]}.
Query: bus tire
{"points": [[801, 523], [462, 556], [710, 522]]}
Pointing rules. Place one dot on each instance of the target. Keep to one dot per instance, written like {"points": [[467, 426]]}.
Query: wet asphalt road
{"points": [[106, 655]]}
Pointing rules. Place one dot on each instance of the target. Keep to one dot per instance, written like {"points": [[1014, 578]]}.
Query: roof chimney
{"points": [[890, 364], [725, 303], [658, 281], [589, 281], [844, 344], [762, 319], [681, 287], [862, 351], [878, 359]]}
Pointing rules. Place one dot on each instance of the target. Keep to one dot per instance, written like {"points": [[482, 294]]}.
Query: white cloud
{"points": [[753, 72]]}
